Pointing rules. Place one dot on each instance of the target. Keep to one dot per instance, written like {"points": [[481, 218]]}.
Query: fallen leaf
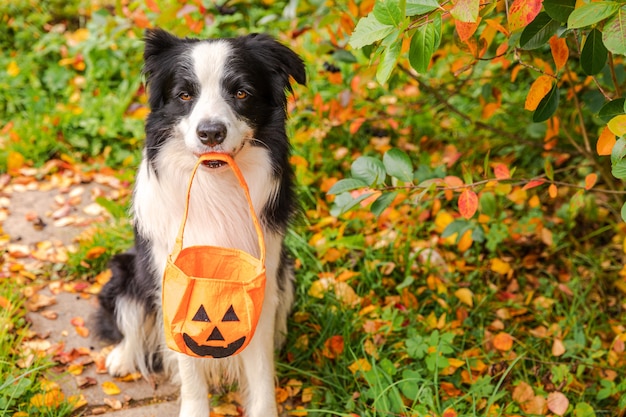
{"points": [[114, 403], [522, 393], [557, 403], [75, 369], [360, 365], [109, 388], [465, 295], [503, 341], [499, 266], [557, 347], [281, 395], [85, 381]]}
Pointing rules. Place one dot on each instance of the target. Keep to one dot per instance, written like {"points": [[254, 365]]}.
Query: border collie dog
{"points": [[217, 95]]}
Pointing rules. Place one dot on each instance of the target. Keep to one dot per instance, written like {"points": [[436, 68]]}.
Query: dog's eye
{"points": [[184, 96], [240, 94]]}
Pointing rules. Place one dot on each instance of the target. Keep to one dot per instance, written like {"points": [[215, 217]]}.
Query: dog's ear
{"points": [[280, 59], [158, 49]]}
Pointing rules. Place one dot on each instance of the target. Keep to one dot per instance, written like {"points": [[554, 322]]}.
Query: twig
{"points": [[618, 92], [513, 181]]}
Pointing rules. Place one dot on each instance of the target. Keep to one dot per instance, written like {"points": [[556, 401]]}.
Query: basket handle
{"points": [[178, 246]]}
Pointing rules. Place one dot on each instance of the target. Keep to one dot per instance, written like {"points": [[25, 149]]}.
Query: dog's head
{"points": [[218, 95]]}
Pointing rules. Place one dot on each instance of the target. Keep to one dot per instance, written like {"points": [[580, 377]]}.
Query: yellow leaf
{"points": [[75, 369], [606, 141], [13, 69], [77, 401], [109, 388], [465, 295], [500, 266], [360, 365], [538, 90], [617, 125]]}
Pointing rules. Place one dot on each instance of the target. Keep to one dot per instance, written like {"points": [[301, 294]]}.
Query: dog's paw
{"points": [[119, 362]]}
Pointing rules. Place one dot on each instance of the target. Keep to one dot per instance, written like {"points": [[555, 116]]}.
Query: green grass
{"points": [[22, 391]]}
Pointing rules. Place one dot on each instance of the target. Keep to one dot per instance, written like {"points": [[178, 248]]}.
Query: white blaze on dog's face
{"points": [[213, 125]]}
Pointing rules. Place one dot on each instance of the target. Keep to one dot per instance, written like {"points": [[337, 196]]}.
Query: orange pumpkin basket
{"points": [[212, 296]]}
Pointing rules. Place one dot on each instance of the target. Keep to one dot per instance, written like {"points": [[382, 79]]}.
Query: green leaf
{"points": [[591, 13], [538, 32], [369, 30], [614, 33], [584, 410], [619, 169], [388, 12], [594, 54], [398, 164], [619, 151], [559, 10], [368, 169], [383, 202], [346, 184], [487, 204], [623, 212], [417, 7], [422, 47], [388, 61], [611, 109], [345, 202], [547, 106]]}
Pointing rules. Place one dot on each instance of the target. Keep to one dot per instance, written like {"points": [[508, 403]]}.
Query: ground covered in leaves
{"points": [[489, 283]]}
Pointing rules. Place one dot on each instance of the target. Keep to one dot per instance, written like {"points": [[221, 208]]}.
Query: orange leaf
{"points": [[557, 403], [522, 12], [95, 252], [77, 322], [606, 141], [503, 341], [468, 203], [465, 29], [502, 172], [15, 161], [281, 395], [560, 53], [552, 191], [152, 5], [82, 331], [590, 180], [333, 347], [538, 90], [533, 184]]}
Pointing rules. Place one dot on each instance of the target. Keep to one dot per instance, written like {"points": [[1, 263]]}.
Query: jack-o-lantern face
{"points": [[216, 345]]}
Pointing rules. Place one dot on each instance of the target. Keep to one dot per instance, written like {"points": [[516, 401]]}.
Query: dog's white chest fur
{"points": [[218, 212]]}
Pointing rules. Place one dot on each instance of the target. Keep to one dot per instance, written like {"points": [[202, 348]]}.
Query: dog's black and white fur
{"points": [[220, 95]]}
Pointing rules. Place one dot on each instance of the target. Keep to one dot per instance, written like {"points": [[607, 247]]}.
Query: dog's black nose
{"points": [[211, 133]]}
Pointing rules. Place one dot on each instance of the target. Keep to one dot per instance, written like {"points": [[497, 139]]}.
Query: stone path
{"points": [[41, 221]]}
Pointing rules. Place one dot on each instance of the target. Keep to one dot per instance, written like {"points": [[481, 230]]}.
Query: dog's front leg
{"points": [[194, 390], [258, 374]]}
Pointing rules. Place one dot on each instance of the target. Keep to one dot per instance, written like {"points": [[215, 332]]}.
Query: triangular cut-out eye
{"points": [[230, 315], [201, 315]]}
